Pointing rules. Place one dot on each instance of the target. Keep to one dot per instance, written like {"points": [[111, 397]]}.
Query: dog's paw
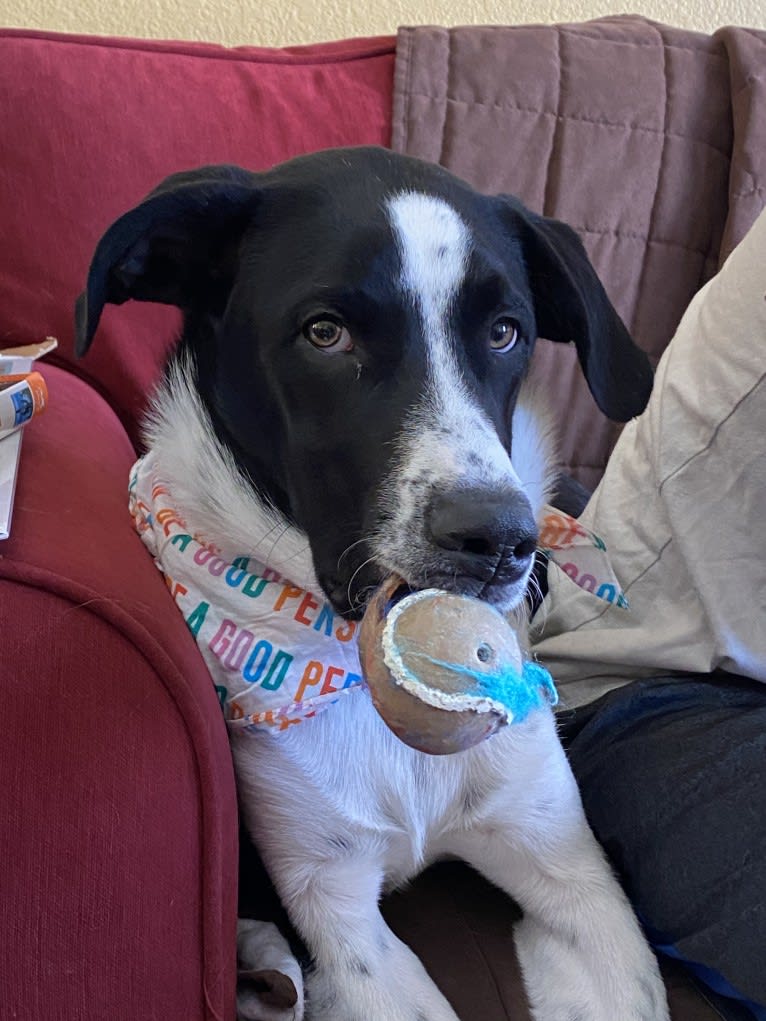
{"points": [[269, 979], [394, 988], [567, 982]]}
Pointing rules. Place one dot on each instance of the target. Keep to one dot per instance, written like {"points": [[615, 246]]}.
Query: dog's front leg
{"points": [[320, 805], [361, 971], [581, 950]]}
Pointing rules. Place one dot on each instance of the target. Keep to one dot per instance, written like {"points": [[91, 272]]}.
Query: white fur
{"points": [[341, 810], [203, 476], [533, 444]]}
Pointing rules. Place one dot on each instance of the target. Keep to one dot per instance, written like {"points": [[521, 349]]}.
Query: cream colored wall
{"points": [[277, 23]]}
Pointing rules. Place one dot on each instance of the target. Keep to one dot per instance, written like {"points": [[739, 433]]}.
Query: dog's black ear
{"points": [[177, 244], [572, 305]]}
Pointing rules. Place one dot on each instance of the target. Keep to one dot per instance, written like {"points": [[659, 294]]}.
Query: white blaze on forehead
{"points": [[433, 245], [450, 429]]}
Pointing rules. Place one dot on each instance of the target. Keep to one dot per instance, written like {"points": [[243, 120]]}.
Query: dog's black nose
{"points": [[487, 534]]}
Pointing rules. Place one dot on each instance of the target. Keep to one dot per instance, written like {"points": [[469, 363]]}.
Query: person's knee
{"points": [[673, 781]]}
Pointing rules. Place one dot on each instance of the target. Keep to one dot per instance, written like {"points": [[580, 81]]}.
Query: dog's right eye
{"points": [[504, 334], [328, 335]]}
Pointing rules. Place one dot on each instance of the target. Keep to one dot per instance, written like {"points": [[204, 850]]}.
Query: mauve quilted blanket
{"points": [[649, 140]]}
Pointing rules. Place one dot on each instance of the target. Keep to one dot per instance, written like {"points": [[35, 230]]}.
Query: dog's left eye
{"points": [[328, 335], [503, 334]]}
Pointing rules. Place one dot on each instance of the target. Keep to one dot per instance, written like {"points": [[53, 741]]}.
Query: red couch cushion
{"points": [[119, 828], [88, 126]]}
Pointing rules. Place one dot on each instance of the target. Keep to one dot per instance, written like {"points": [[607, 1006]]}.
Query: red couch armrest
{"points": [[119, 825]]}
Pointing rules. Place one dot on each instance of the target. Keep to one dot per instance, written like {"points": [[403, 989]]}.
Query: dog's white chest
{"points": [[346, 781]]}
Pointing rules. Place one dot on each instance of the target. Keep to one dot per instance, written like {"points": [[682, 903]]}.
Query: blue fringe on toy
{"points": [[519, 693]]}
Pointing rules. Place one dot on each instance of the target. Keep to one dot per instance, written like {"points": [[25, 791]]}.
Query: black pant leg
{"points": [[673, 779]]}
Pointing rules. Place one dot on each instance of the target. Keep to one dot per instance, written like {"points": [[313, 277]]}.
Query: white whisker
{"points": [[348, 549], [369, 560]]}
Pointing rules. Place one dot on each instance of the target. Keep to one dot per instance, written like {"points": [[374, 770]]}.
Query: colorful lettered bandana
{"points": [[278, 653], [580, 554]]}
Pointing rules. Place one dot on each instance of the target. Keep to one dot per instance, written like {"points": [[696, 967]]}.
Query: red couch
{"points": [[118, 826]]}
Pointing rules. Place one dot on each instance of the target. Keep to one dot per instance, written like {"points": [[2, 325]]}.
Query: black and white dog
{"points": [[357, 329]]}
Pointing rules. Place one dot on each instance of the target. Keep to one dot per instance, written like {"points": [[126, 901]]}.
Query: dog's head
{"points": [[360, 324]]}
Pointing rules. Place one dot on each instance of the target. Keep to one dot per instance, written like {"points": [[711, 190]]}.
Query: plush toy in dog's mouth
{"points": [[445, 671]]}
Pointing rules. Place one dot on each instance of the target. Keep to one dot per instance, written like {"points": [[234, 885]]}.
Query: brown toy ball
{"points": [[425, 657]]}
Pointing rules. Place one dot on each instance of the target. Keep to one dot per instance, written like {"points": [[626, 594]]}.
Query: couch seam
{"points": [[755, 190], [638, 236], [445, 100], [577, 118], [402, 104], [278, 56], [648, 45], [129, 422], [628, 22], [655, 198], [548, 196]]}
